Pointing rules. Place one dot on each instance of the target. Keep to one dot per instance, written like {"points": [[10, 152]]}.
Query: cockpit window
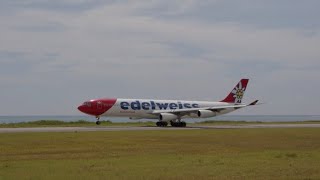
{"points": [[87, 104]]}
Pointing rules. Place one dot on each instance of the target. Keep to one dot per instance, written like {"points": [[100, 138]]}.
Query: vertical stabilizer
{"points": [[237, 93]]}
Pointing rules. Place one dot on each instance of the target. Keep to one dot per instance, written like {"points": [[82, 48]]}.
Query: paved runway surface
{"points": [[104, 128]]}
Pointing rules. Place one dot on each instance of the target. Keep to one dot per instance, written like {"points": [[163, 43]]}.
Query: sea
{"points": [[249, 118]]}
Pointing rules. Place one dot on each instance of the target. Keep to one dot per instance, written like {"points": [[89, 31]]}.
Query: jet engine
{"points": [[167, 117], [206, 113]]}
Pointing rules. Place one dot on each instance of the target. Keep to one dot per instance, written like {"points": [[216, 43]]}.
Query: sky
{"points": [[56, 54]]}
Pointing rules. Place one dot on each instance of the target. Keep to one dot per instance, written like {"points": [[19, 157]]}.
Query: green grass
{"points": [[214, 122], [81, 123], [184, 154]]}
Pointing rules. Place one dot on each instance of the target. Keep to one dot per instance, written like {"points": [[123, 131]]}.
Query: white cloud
{"points": [[119, 49]]}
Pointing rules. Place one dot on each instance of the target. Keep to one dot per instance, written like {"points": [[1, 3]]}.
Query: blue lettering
{"points": [[153, 106], [162, 105], [124, 105], [135, 105], [195, 105], [145, 105], [173, 106], [187, 105]]}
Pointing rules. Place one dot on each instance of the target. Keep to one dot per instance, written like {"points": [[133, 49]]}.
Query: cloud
{"points": [[43, 27], [62, 6], [69, 51], [261, 13]]}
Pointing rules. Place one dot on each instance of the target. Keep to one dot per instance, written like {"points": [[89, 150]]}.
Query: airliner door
{"points": [[99, 105]]}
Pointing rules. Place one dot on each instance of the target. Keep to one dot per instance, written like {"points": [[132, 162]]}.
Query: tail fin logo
{"points": [[238, 93]]}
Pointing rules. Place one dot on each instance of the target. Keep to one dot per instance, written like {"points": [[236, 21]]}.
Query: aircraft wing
{"points": [[194, 110]]}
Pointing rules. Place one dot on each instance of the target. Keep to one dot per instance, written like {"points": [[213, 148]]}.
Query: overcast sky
{"points": [[54, 54]]}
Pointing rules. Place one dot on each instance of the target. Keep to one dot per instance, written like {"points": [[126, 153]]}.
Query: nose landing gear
{"points": [[98, 122]]}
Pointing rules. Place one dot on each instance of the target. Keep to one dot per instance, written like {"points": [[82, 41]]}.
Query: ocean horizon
{"points": [[249, 118]]}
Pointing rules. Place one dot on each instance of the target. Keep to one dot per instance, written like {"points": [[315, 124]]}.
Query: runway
{"points": [[147, 128]]}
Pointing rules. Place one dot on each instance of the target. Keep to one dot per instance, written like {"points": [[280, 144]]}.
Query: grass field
{"points": [[81, 123], [184, 154]]}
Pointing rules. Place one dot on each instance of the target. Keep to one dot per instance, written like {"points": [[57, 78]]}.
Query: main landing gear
{"points": [[162, 123], [98, 122], [172, 123], [178, 124]]}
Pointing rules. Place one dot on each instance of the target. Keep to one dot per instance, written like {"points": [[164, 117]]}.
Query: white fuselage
{"points": [[166, 111], [144, 108]]}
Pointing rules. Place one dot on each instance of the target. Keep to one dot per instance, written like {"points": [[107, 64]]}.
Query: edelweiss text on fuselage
{"points": [[137, 105]]}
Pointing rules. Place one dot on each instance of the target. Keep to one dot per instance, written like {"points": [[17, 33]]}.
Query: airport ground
{"points": [[245, 153], [83, 123]]}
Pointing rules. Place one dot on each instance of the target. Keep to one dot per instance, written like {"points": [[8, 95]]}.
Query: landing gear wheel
{"points": [[98, 122], [162, 123], [178, 124], [183, 124]]}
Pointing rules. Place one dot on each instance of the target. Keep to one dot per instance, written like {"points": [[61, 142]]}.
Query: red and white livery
{"points": [[166, 111]]}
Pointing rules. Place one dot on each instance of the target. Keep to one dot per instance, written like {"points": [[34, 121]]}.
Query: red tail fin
{"points": [[237, 93]]}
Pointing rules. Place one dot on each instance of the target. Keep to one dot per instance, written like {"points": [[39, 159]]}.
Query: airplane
{"points": [[166, 111]]}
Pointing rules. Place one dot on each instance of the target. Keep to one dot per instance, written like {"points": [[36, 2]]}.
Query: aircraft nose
{"points": [[91, 110], [82, 108]]}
